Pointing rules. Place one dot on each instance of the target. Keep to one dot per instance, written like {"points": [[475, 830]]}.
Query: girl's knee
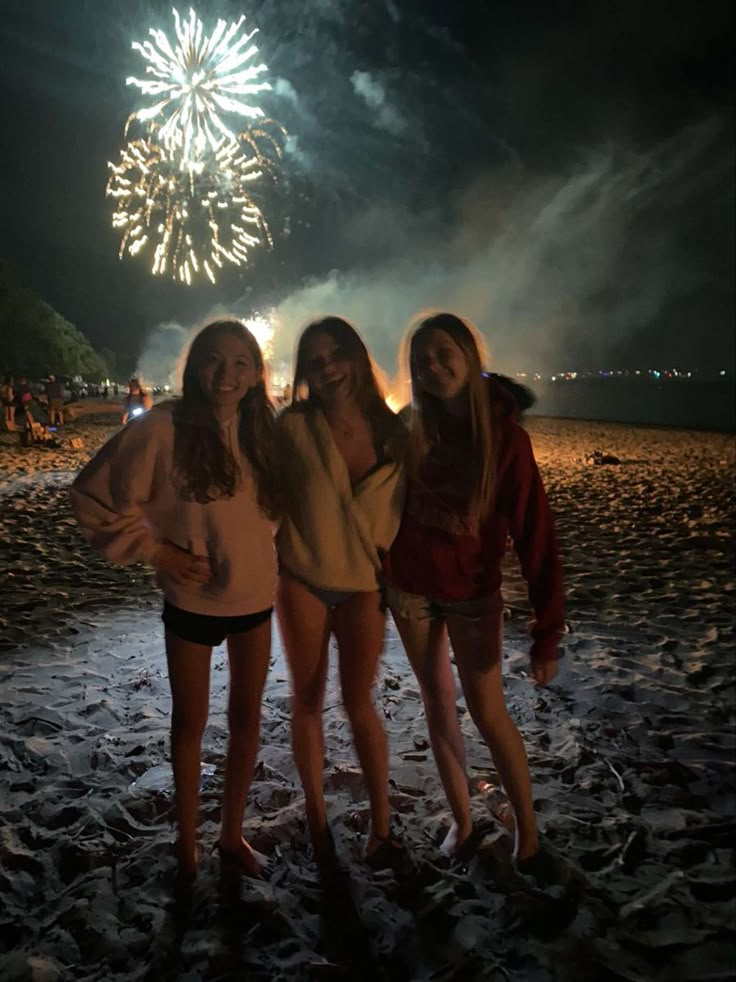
{"points": [[243, 719], [360, 709], [189, 726], [493, 725], [439, 695], [307, 702]]}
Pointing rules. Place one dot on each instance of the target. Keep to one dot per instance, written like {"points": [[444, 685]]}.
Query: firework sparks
{"points": [[197, 81], [195, 218], [187, 186]]}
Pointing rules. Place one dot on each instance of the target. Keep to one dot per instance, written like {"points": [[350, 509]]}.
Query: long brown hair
{"points": [[369, 394], [204, 468], [427, 409]]}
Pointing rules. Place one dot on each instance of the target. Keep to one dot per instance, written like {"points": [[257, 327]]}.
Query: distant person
{"points": [[472, 481], [8, 400], [23, 398], [55, 401], [136, 402], [106, 392], [339, 461], [115, 389], [188, 488]]}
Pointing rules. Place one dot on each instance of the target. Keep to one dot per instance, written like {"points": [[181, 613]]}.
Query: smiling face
{"points": [[330, 373], [439, 365], [228, 371]]}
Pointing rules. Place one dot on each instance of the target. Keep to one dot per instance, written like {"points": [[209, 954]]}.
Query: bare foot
{"points": [[323, 848], [526, 848], [384, 852], [245, 857], [187, 858], [375, 842]]}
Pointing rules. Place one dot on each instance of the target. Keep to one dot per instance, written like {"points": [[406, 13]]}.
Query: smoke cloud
{"points": [[372, 92], [556, 271]]}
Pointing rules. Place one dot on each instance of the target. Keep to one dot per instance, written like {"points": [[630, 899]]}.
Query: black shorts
{"points": [[208, 630]]}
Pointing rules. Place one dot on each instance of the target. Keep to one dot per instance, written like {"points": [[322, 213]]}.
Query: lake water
{"points": [[690, 403]]}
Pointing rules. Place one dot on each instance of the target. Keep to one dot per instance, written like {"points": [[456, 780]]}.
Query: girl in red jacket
{"points": [[473, 481]]}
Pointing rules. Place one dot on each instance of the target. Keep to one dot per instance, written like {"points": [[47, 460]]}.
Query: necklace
{"points": [[347, 432], [341, 428]]}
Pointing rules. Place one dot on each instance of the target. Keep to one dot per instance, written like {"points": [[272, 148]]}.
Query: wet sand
{"points": [[631, 751]]}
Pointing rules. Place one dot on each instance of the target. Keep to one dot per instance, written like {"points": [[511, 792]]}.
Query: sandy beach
{"points": [[631, 751]]}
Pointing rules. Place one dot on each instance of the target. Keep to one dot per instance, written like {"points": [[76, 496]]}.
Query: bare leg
{"points": [[304, 622], [477, 647], [360, 626], [425, 642], [248, 655], [189, 678]]}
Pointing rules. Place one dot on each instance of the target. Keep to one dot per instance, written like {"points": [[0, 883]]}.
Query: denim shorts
{"points": [[416, 607], [206, 629]]}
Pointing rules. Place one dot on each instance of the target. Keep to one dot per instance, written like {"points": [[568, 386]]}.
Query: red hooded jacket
{"points": [[440, 553]]}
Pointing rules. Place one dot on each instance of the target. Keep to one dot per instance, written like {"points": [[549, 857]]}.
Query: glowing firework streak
{"points": [[185, 186], [196, 217], [196, 81]]}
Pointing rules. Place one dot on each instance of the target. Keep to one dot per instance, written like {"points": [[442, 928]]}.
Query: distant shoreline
{"points": [[692, 404]]}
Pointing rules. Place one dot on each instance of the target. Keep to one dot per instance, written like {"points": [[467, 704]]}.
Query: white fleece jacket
{"points": [[333, 535], [126, 502]]}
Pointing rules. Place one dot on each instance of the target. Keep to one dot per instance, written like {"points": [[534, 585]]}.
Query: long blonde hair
{"points": [[424, 423]]}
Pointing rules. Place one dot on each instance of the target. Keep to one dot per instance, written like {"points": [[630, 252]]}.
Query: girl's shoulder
{"points": [[293, 417], [160, 416], [156, 424]]}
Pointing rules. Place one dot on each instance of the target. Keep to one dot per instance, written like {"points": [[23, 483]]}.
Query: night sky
{"points": [[562, 173]]}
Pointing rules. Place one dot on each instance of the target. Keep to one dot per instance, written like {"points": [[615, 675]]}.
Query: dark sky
{"points": [[560, 172]]}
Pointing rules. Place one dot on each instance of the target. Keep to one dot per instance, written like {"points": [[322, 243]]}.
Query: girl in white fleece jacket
{"points": [[188, 488], [340, 450]]}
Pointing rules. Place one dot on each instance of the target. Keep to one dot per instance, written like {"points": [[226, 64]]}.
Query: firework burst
{"points": [[195, 218], [198, 81], [186, 187]]}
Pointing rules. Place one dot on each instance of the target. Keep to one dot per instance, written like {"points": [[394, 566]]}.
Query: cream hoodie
{"points": [[333, 535], [125, 503]]}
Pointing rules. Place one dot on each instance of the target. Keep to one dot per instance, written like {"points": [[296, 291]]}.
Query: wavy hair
{"points": [[204, 468], [369, 389], [424, 424]]}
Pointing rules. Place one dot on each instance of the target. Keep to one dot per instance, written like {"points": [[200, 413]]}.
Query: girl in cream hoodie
{"points": [[188, 489]]}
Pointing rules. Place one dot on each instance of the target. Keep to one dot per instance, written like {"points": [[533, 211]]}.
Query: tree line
{"points": [[35, 339]]}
